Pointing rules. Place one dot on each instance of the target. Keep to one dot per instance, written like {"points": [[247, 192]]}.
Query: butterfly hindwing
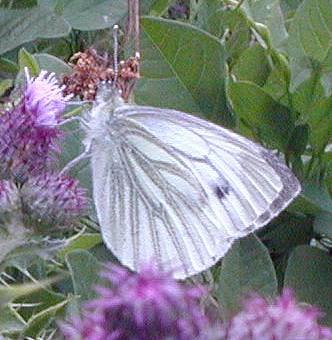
{"points": [[177, 190]]}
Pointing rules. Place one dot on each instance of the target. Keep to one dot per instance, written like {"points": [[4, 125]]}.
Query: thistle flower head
{"points": [[28, 132], [149, 305], [52, 200], [44, 98], [9, 198], [284, 319]]}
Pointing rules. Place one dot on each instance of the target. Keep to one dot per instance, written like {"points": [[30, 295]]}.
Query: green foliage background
{"points": [[260, 67]]}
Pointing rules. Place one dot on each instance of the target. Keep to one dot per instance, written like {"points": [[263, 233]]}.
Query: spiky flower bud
{"points": [[52, 200]]}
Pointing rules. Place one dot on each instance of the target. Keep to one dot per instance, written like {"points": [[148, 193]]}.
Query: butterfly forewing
{"points": [[176, 190]]}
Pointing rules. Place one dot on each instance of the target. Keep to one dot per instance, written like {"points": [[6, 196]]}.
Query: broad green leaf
{"points": [[323, 224], [8, 66], [182, 68], [299, 139], [320, 120], [88, 15], [313, 199], [41, 320], [309, 43], [159, 7], [83, 242], [85, 272], [311, 30], [269, 13], [246, 268], [253, 65], [39, 300], [309, 273], [18, 26], [25, 59], [270, 120], [10, 321], [52, 64], [233, 27]]}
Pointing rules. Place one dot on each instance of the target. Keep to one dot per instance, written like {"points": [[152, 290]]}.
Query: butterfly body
{"points": [[176, 190]]}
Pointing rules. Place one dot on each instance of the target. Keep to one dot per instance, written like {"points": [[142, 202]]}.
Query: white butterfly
{"points": [[175, 189]]}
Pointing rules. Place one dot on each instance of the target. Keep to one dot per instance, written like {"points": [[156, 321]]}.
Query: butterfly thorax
{"points": [[102, 114]]}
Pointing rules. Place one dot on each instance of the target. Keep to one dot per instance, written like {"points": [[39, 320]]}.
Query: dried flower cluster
{"points": [[90, 69], [28, 142], [149, 305], [153, 306]]}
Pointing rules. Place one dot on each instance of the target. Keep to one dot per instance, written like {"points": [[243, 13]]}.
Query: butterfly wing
{"points": [[178, 190]]}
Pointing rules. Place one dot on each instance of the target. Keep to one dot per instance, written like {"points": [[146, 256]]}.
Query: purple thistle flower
{"points": [[150, 305], [52, 200], [28, 132], [284, 319]]}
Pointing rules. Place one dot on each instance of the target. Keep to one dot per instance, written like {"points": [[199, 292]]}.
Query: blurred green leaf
{"points": [[323, 224], [5, 85], [269, 13], [159, 7], [41, 320], [320, 120], [83, 242], [309, 273], [299, 139], [313, 199], [10, 321], [85, 272], [52, 64], [246, 268], [182, 68], [233, 27], [8, 66], [88, 15], [270, 120], [18, 26], [309, 43], [25, 59], [253, 65]]}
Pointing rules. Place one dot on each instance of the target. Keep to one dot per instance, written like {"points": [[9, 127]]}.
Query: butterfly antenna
{"points": [[115, 53]]}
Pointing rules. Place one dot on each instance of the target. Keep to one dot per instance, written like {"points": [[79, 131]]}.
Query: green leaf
{"points": [[311, 31], [246, 268], [25, 59], [41, 320], [85, 242], [8, 66], [224, 21], [309, 43], [88, 15], [270, 120], [182, 68], [320, 120], [10, 321], [323, 224], [159, 7], [269, 13], [52, 64], [23, 25], [5, 85], [252, 65], [309, 273], [85, 272], [299, 139]]}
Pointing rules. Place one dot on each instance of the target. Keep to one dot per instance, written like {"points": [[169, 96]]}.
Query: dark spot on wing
{"points": [[221, 191]]}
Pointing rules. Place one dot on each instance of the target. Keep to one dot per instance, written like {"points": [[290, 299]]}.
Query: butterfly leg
{"points": [[85, 154], [74, 119]]}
